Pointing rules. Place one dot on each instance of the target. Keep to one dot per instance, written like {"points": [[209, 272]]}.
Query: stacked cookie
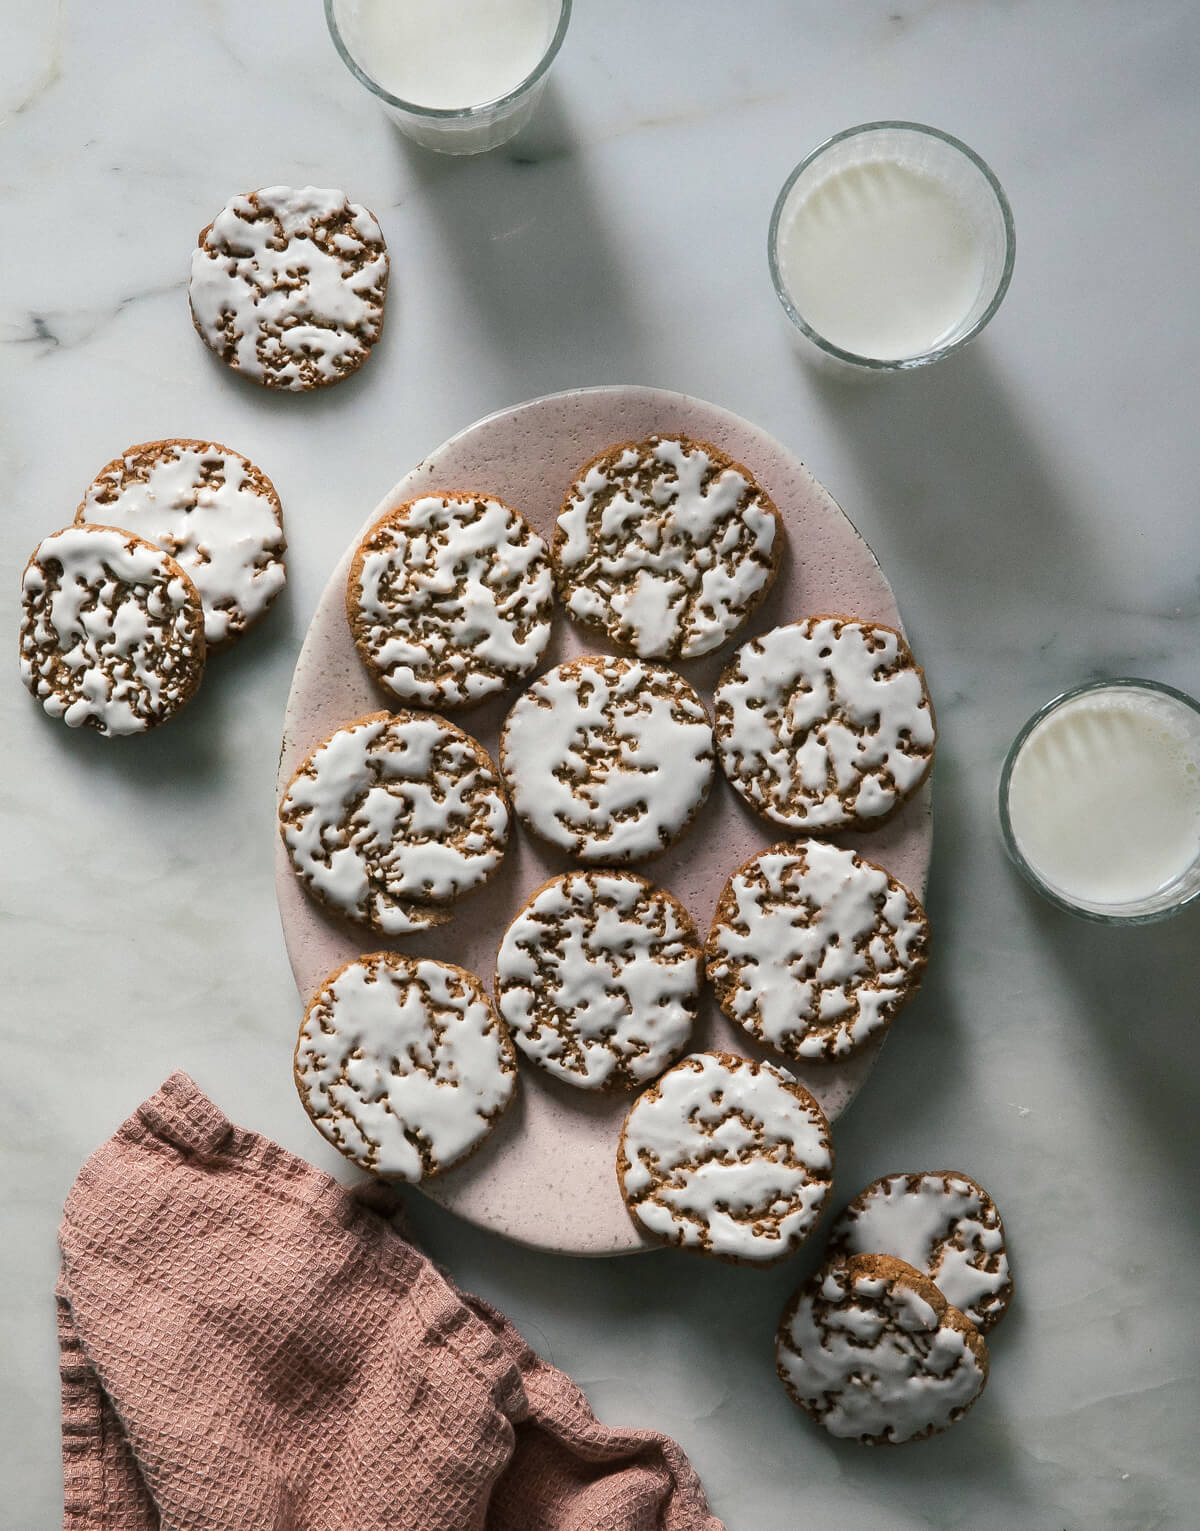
{"points": [[666, 547], [885, 1344], [178, 545], [176, 550]]}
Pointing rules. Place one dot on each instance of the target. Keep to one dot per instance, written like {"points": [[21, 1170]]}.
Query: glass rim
{"points": [[1031, 875], [923, 358], [450, 113]]}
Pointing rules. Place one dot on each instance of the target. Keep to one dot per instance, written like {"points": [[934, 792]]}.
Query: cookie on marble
{"points": [[450, 599], [403, 1065], [666, 546], [726, 1156], [598, 979], [873, 1352], [212, 510], [112, 630], [825, 724], [393, 818], [944, 1224], [288, 284], [814, 950], [608, 759]]}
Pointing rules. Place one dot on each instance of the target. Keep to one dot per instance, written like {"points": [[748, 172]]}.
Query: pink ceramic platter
{"points": [[546, 1176]]}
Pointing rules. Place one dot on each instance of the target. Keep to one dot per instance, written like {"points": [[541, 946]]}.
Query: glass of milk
{"points": [[1100, 801], [891, 246], [460, 76]]}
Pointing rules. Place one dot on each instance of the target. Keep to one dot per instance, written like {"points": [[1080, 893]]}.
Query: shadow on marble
{"points": [[195, 750], [311, 405], [1139, 987], [976, 1456], [922, 1058], [953, 435], [489, 208], [714, 1325]]}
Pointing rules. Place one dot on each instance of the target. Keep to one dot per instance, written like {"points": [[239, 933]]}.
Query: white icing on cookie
{"points": [[727, 1156], [608, 758], [870, 1357], [112, 633], [212, 510], [824, 723], [667, 545], [391, 813], [598, 978], [450, 598], [944, 1225], [814, 950], [403, 1064], [288, 285]]}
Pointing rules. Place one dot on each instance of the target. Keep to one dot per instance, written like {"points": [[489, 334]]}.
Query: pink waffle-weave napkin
{"points": [[248, 1346]]}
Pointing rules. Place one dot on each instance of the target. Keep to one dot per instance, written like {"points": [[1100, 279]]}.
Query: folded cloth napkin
{"points": [[248, 1346]]}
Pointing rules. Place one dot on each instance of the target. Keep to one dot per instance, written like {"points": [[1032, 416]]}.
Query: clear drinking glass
{"points": [[926, 152], [451, 130], [1177, 712]]}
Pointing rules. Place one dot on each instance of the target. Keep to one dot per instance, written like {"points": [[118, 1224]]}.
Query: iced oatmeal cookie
{"points": [[393, 818], [403, 1065], [825, 724], [944, 1224], [609, 759], [598, 979], [873, 1352], [726, 1156], [212, 510], [814, 950], [450, 599], [288, 284], [666, 545], [112, 630]]}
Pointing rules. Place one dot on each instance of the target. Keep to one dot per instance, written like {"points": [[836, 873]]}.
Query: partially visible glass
{"points": [[1176, 714], [927, 152], [469, 129]]}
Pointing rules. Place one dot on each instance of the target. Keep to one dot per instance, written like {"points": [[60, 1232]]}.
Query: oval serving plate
{"points": [[546, 1176]]}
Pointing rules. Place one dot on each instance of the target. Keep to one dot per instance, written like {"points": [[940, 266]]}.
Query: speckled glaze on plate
{"points": [[546, 1176]]}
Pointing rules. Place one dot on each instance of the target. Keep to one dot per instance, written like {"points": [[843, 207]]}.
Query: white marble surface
{"points": [[1033, 502]]}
